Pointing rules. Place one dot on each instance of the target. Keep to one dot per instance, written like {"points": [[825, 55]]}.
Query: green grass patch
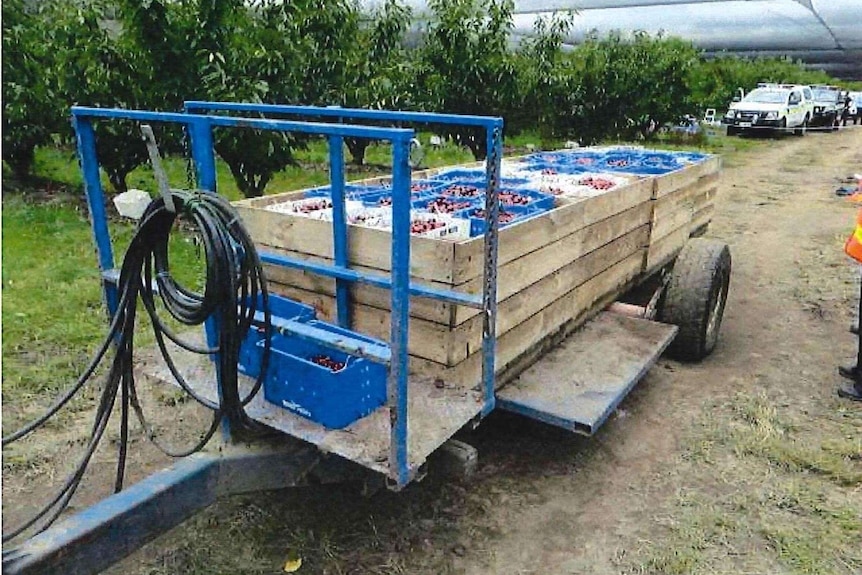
{"points": [[53, 313], [772, 496]]}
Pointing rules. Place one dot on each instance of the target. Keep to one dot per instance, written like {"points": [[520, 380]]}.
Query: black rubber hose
{"points": [[234, 286]]}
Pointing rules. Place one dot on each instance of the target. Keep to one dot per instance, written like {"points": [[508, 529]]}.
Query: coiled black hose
{"points": [[233, 288]]}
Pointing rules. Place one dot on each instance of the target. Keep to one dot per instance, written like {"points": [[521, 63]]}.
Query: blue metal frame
{"points": [[493, 127], [99, 536], [200, 128]]}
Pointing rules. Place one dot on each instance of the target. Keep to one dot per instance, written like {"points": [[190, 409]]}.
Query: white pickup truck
{"points": [[772, 107]]}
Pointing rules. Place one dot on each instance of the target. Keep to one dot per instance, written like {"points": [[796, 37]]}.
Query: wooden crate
{"points": [[682, 204], [554, 271]]}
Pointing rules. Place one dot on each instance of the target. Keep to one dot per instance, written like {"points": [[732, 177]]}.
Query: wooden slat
{"points": [[449, 346], [511, 277], [429, 259], [673, 221], [665, 249], [673, 181], [568, 312], [515, 275], [422, 308], [683, 196], [702, 218], [533, 234]]}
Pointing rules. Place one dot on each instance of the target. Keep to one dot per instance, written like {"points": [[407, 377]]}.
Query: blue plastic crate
{"points": [[384, 198], [359, 191], [250, 355], [520, 213], [334, 399], [538, 200], [461, 174], [571, 161], [351, 191], [431, 186], [427, 204], [632, 163], [321, 192], [480, 186]]}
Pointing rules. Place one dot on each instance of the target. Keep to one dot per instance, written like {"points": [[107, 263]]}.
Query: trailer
{"points": [[385, 343]]}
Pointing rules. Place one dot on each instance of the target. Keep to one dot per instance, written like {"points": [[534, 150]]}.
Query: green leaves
{"points": [[156, 53], [31, 104], [464, 64]]}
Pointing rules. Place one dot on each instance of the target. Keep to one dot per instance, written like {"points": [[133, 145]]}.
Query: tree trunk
{"points": [[357, 147], [477, 147], [21, 160], [117, 178]]}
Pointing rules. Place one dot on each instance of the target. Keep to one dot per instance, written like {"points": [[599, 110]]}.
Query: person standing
{"points": [[853, 248], [845, 113]]}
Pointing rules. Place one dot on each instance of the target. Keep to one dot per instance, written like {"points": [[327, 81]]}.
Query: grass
{"points": [[784, 503]]}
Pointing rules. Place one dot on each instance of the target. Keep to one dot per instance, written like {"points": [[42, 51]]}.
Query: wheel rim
{"points": [[715, 313]]}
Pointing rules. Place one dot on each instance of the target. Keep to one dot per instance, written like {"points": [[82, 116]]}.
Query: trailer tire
{"points": [[695, 297]]}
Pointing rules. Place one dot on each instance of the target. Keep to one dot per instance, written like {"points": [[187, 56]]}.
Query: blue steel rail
{"points": [[200, 129], [494, 144]]}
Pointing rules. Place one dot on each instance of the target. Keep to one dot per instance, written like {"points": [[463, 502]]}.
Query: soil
{"points": [[545, 501]]}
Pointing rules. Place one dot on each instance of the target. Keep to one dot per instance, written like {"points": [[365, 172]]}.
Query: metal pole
{"points": [[86, 140], [203, 154], [489, 293], [339, 227], [397, 384]]}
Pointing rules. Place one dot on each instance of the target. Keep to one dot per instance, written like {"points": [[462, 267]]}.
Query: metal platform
{"points": [[578, 384], [435, 414]]}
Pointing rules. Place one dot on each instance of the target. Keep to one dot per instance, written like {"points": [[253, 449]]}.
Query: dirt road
{"points": [[745, 463]]}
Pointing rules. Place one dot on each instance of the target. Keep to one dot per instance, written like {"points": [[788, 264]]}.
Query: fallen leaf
{"points": [[293, 563]]}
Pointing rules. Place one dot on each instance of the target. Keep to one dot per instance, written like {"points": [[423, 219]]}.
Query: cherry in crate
{"points": [[463, 191], [596, 183], [327, 362], [425, 225], [502, 217], [308, 206], [443, 205], [514, 199]]}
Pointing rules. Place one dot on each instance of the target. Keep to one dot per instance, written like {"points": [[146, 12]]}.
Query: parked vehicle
{"points": [[828, 105], [769, 107]]}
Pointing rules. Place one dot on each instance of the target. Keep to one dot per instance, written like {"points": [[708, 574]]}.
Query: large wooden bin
{"points": [[554, 270]]}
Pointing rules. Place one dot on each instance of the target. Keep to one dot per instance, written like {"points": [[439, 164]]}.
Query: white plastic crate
{"points": [[316, 208], [376, 217], [582, 185], [452, 229]]}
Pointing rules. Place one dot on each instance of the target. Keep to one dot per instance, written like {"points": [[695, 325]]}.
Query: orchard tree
{"points": [[379, 74], [31, 102], [549, 91], [713, 83], [289, 52], [465, 65], [101, 66], [620, 94]]}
